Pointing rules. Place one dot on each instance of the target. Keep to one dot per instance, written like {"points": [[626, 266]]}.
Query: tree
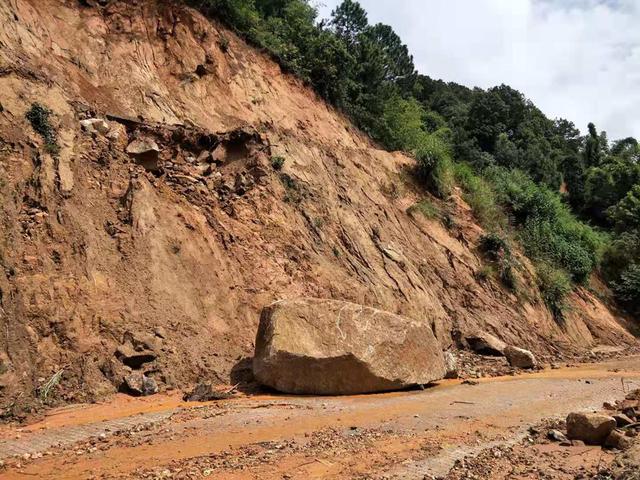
{"points": [[607, 184], [349, 20], [574, 177], [398, 64], [506, 152], [593, 148], [627, 289], [626, 214]]}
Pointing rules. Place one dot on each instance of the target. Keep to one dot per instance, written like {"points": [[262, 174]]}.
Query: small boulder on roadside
{"points": [[451, 365], [618, 440], [139, 384], [591, 428], [520, 358], [486, 344], [206, 392]]}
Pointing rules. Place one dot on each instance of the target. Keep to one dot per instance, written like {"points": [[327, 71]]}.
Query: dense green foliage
{"points": [[39, 117], [572, 201]]}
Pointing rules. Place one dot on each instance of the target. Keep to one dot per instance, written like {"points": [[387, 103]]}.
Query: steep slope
{"points": [[176, 262]]}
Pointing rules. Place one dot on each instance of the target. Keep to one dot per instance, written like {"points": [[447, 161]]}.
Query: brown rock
{"points": [[622, 420], [137, 349], [451, 364], [617, 439], [206, 392], [520, 358], [139, 384], [486, 344], [327, 347], [592, 428], [146, 152]]}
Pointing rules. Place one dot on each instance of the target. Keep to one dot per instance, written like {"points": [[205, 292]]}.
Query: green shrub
{"points": [[39, 117], [548, 231], [623, 251], [477, 192], [494, 246], [506, 271], [427, 208], [627, 289], [294, 192], [555, 285], [485, 273], [224, 43], [434, 165], [277, 162], [497, 250]]}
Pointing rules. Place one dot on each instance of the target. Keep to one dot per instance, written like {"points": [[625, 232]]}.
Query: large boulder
{"points": [[520, 358], [591, 428], [328, 347]]}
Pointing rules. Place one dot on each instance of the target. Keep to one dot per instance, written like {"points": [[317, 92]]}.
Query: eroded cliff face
{"points": [[102, 250]]}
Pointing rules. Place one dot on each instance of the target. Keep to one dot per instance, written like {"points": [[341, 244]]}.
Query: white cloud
{"points": [[577, 59]]}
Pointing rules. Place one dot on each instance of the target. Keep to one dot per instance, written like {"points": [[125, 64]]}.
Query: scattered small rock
{"points": [[160, 332], [557, 436], [205, 392], [146, 152]]}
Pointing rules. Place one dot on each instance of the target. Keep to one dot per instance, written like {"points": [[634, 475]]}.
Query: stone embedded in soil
{"points": [[146, 153], [133, 358], [328, 347], [486, 344], [520, 358], [95, 125], [592, 428], [138, 348]]}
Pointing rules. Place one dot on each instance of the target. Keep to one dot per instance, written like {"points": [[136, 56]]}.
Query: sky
{"points": [[575, 59]]}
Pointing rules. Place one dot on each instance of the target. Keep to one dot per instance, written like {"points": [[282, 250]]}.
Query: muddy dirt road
{"points": [[401, 435]]}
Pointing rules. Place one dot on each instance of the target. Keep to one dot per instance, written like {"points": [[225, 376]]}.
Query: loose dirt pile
{"points": [[183, 187]]}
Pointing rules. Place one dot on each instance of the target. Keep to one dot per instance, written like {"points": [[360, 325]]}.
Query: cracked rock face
{"points": [[328, 347]]}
